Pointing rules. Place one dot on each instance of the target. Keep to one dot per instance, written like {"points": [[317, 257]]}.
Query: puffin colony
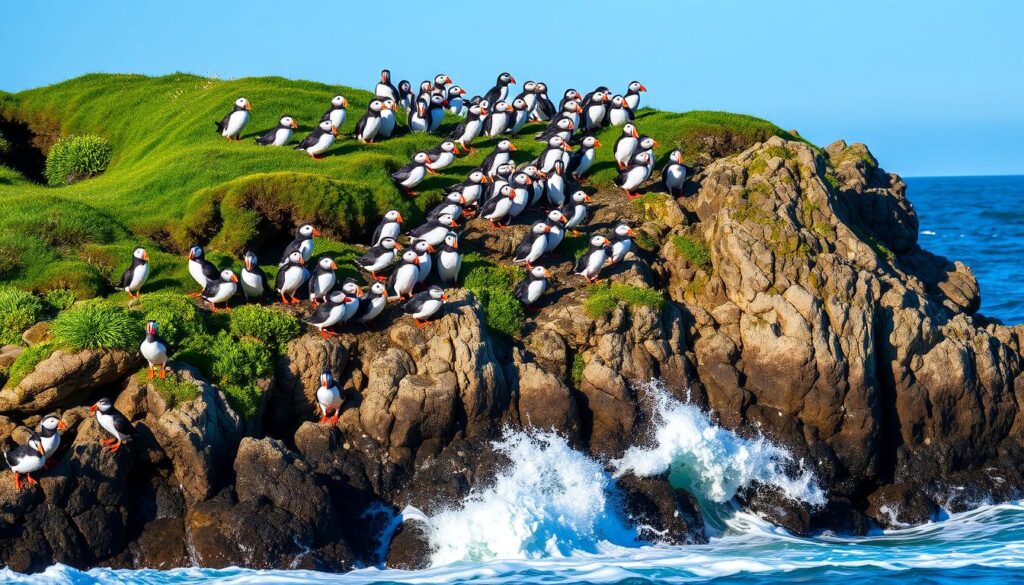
{"points": [[499, 191]]}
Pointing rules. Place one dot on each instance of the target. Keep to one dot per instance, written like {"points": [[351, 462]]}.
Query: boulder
{"points": [[546, 403], [68, 378], [661, 513], [410, 547], [771, 504], [37, 333], [899, 506]]}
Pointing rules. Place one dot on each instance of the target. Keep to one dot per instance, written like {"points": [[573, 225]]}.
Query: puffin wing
{"points": [[293, 246], [209, 270], [121, 423], [361, 125], [211, 288], [403, 173], [279, 281], [327, 115], [421, 230], [267, 138], [524, 247], [414, 304], [370, 257], [581, 262], [523, 290], [309, 140], [320, 314], [460, 129], [126, 277], [224, 122], [545, 106]]}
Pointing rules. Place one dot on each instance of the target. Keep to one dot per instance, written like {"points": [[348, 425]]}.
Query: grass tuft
{"points": [[493, 286], [694, 250], [270, 326], [578, 364], [173, 389], [19, 310], [237, 365], [59, 299], [97, 324], [74, 158], [602, 299]]}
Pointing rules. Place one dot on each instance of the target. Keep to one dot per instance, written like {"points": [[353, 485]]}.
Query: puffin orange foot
{"points": [[163, 372], [115, 447], [295, 301], [17, 481], [108, 442], [149, 373], [30, 479]]}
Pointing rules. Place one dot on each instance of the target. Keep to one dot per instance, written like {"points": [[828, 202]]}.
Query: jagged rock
{"points": [[660, 512], [771, 504], [298, 376], [609, 409], [546, 403], [899, 506], [61, 379], [410, 546], [160, 546]]}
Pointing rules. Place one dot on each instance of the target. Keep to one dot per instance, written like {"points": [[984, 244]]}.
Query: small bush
{"points": [[602, 300], [19, 310], [238, 365], [493, 286], [27, 361], [694, 250], [578, 364], [173, 389], [5, 145], [98, 325], [180, 322], [59, 299], [270, 326], [74, 158]]}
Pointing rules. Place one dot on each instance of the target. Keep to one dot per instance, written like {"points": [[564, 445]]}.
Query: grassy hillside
{"points": [[173, 181]]}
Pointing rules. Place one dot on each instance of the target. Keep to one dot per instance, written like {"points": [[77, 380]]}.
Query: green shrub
{"points": [[73, 158], [5, 145], [59, 299], [27, 361], [602, 300], [273, 327], [97, 324], [694, 250], [180, 322], [173, 389], [19, 310], [238, 365], [493, 286], [578, 363]]}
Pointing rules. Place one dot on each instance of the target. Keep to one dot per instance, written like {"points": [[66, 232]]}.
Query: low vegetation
{"points": [[19, 310], [264, 324], [27, 361], [238, 365], [494, 286], [97, 324], [173, 389], [74, 158], [602, 299], [694, 250]]}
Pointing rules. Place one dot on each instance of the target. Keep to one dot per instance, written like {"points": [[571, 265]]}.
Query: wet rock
{"points": [[899, 506], [660, 512], [161, 545], [771, 504], [546, 403], [410, 548]]}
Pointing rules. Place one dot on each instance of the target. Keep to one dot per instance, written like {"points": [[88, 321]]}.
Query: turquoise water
{"points": [[551, 517]]}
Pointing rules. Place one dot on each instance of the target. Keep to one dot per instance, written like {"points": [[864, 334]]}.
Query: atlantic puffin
{"points": [[594, 111], [379, 257], [622, 243], [554, 185], [434, 231], [301, 243], [280, 135], [26, 459], [625, 146], [442, 155], [528, 95], [372, 304], [387, 118], [418, 117], [389, 227], [423, 251], [435, 112], [322, 280], [589, 265], [413, 173], [456, 101], [252, 279], [319, 140], [336, 113], [520, 115], [136, 275], [201, 270], [543, 109], [540, 182], [403, 280], [632, 96], [498, 207], [562, 127], [220, 290], [619, 111], [50, 428], [576, 210], [231, 125], [570, 109], [328, 398], [154, 349], [674, 173], [556, 220], [113, 422], [329, 314], [501, 154], [350, 305], [634, 175], [406, 97], [499, 119], [582, 159], [646, 144], [469, 129], [426, 304], [500, 178], [522, 186], [556, 147], [500, 89], [472, 188], [453, 204], [385, 89], [570, 95], [290, 277], [449, 260], [531, 288], [369, 125], [533, 244]]}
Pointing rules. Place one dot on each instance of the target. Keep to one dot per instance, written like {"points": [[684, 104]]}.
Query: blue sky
{"points": [[934, 88]]}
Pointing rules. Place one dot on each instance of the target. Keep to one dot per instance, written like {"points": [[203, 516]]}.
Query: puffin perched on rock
{"points": [[302, 243], [423, 251], [319, 140], [379, 257], [533, 244], [329, 314], [434, 231], [136, 275], [581, 160], [625, 146], [322, 280], [372, 304], [622, 243], [252, 280], [154, 349], [26, 459], [280, 135], [201, 269], [231, 125], [50, 428], [426, 305], [634, 175], [449, 260], [328, 398], [590, 263], [113, 422], [290, 277], [674, 173], [403, 280], [220, 290], [576, 210], [469, 129], [531, 288]]}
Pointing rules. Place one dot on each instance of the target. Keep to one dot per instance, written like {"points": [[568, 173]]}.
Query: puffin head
{"points": [[141, 254], [540, 88], [36, 442], [506, 78], [288, 122], [327, 126], [421, 158], [243, 104], [647, 143], [385, 76], [452, 239], [449, 146], [390, 244], [622, 230], [404, 86], [539, 272], [555, 215], [642, 158], [339, 101], [307, 231], [378, 289], [326, 263], [478, 176], [326, 379], [389, 104], [151, 328], [410, 257], [376, 105], [352, 288], [529, 86], [636, 87], [52, 422], [619, 102], [676, 156], [102, 405], [393, 215], [296, 258], [437, 293], [228, 276], [598, 242], [250, 261], [195, 253], [508, 191], [571, 94]]}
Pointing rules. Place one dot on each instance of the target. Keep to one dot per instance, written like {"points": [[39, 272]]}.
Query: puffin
{"points": [[418, 117], [502, 175], [529, 95], [539, 183], [625, 146], [556, 147], [520, 115], [50, 428], [576, 210], [499, 119], [562, 127], [369, 125], [113, 422], [472, 188], [647, 144], [26, 459], [280, 135], [387, 118], [522, 185], [329, 313], [469, 129], [501, 154], [435, 112], [570, 95], [533, 244], [220, 290], [302, 243], [231, 126], [405, 277], [385, 89], [426, 304], [595, 108], [440, 86], [154, 349], [554, 185], [379, 257], [336, 113], [135, 275], [634, 175], [570, 109], [456, 101], [674, 173], [423, 251], [589, 265], [622, 243], [442, 155], [543, 109], [328, 398], [619, 111], [389, 227], [449, 260], [632, 96], [413, 173], [201, 270], [500, 90], [433, 231], [322, 281], [531, 288], [453, 204], [581, 160], [372, 304], [319, 140], [252, 279], [556, 220], [405, 95], [498, 207], [290, 276]]}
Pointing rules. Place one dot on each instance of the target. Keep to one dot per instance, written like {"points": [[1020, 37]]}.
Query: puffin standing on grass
{"points": [[500, 90], [595, 109], [404, 278], [280, 135], [426, 305], [589, 265], [136, 275], [319, 140], [369, 125], [252, 280], [231, 126], [113, 422], [379, 257], [554, 151], [632, 96], [423, 251], [531, 288], [413, 173], [384, 88], [405, 95], [301, 243], [290, 277], [322, 281], [336, 114], [389, 227], [328, 398], [619, 112], [201, 269], [221, 290], [456, 100], [625, 146], [387, 118], [26, 459], [154, 349], [469, 129], [442, 155], [434, 231], [674, 173], [500, 118], [501, 154], [49, 432], [581, 160]]}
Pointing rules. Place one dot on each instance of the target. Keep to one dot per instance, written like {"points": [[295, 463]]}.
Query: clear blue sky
{"points": [[933, 87]]}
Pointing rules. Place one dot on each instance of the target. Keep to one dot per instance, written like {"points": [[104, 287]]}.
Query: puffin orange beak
{"points": [[191, 256], [631, 233], [454, 225], [344, 102], [334, 131], [462, 91], [587, 199], [42, 451], [485, 179], [400, 220], [643, 87], [294, 124], [444, 297], [606, 99], [564, 219], [456, 245], [635, 133], [529, 181], [597, 144], [416, 261], [145, 256], [547, 229], [234, 278], [316, 232], [92, 408], [656, 143], [579, 110], [455, 150], [248, 106], [547, 273], [431, 171], [606, 241], [430, 248], [512, 147], [334, 265], [359, 290], [398, 246], [61, 425], [511, 79], [566, 147], [302, 261], [420, 110]]}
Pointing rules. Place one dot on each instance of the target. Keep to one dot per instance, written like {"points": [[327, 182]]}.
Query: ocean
{"points": [[552, 517]]}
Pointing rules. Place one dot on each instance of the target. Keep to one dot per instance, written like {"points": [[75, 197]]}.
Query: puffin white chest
{"points": [[519, 201], [618, 116], [426, 263], [472, 193], [585, 161], [448, 265], [472, 130], [322, 144], [415, 176], [224, 291], [554, 238], [635, 177], [632, 100], [348, 309], [294, 276], [139, 276], [236, 121], [418, 124], [252, 284], [377, 305], [29, 463], [675, 175], [499, 159], [282, 136], [535, 289], [337, 117], [371, 128], [322, 285], [540, 245], [107, 422], [51, 444], [333, 316], [405, 278], [624, 150], [391, 229], [435, 236], [443, 160], [306, 248], [620, 248], [196, 270], [499, 122], [556, 190], [382, 261], [595, 114], [551, 156], [328, 398], [154, 352], [427, 309], [501, 209], [387, 123], [579, 214]]}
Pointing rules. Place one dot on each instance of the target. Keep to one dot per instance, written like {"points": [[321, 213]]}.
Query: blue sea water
{"points": [[552, 517]]}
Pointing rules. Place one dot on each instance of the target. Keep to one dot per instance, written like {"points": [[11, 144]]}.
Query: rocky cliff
{"points": [[797, 305]]}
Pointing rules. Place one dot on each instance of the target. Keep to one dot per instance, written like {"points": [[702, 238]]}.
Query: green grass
{"points": [[97, 324], [19, 310], [237, 364], [59, 299], [267, 325], [602, 299], [493, 286], [74, 158], [694, 250], [173, 389], [27, 361], [578, 364]]}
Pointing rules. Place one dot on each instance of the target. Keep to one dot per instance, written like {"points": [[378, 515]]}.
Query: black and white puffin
{"points": [[531, 288], [337, 113], [619, 111], [389, 227], [562, 126], [632, 96], [522, 185], [449, 260], [252, 278], [501, 154], [322, 280], [622, 243], [528, 95], [625, 145], [570, 95], [387, 118], [576, 210], [372, 304], [279, 135], [379, 257], [403, 280], [556, 220], [136, 275], [589, 265], [499, 207], [328, 398], [385, 89], [647, 144], [406, 97], [441, 82], [433, 231], [499, 119], [26, 459], [50, 428], [426, 304], [423, 251], [469, 129], [369, 125], [290, 277], [220, 290], [301, 243], [570, 109], [329, 314], [472, 188], [435, 112], [554, 185], [456, 100], [539, 183], [543, 109], [453, 204], [442, 155], [201, 270], [520, 115], [154, 349], [554, 151], [582, 159], [501, 177], [113, 422], [634, 175], [595, 110], [533, 244], [500, 90], [674, 173], [231, 126], [413, 173], [319, 140]]}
